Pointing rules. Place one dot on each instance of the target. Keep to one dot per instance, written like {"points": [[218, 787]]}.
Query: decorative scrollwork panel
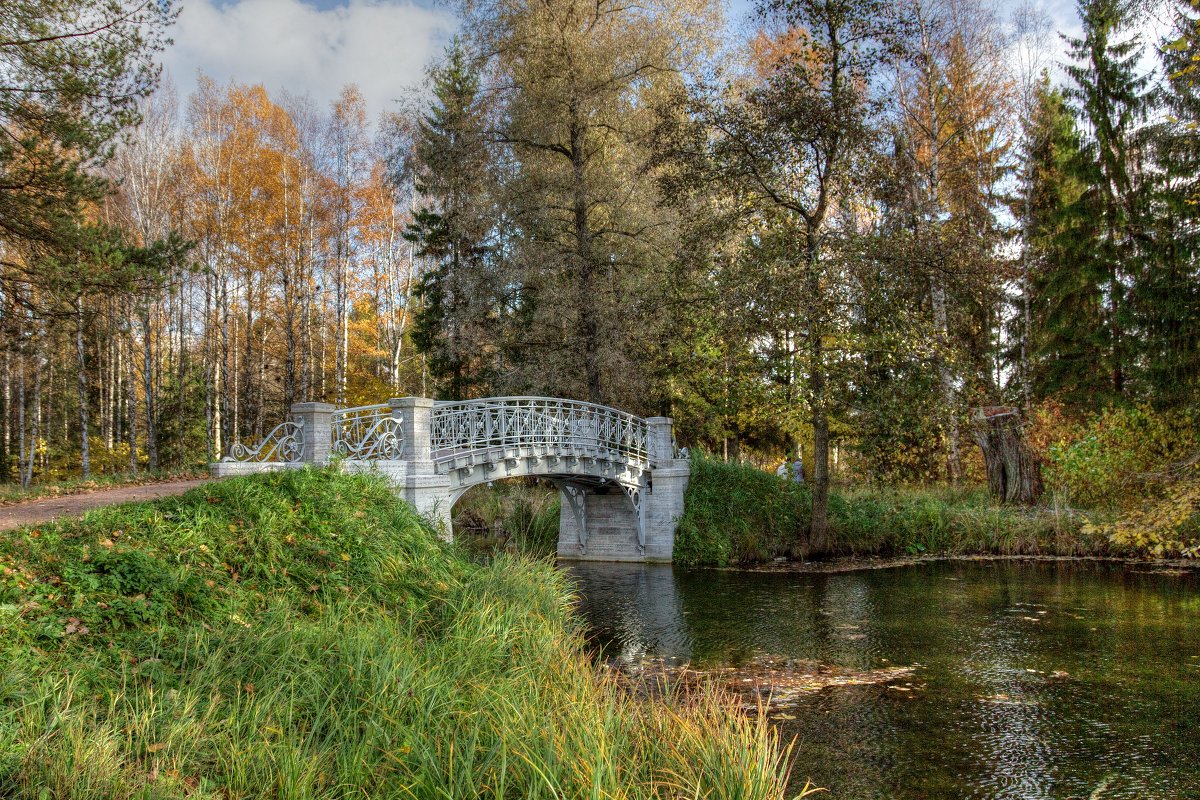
{"points": [[285, 443], [367, 433]]}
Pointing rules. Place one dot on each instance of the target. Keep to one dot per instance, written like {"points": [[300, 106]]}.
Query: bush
{"points": [[1105, 460], [735, 513]]}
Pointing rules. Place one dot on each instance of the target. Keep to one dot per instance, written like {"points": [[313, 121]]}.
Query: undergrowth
{"points": [[303, 635], [736, 513]]}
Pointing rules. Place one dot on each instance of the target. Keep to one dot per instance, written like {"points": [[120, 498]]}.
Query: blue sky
{"points": [[316, 47]]}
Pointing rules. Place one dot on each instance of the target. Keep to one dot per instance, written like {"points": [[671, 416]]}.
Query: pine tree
{"points": [[71, 75]]}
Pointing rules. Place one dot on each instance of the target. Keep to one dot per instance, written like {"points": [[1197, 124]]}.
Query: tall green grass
{"points": [[302, 635], [512, 516], [736, 513]]}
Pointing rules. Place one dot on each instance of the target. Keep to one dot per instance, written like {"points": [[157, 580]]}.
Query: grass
{"points": [[303, 635], [736, 513], [513, 516], [15, 493]]}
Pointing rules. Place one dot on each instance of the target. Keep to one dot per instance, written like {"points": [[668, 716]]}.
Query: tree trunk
{"points": [[21, 417], [130, 396], [1014, 474], [36, 429], [84, 449], [818, 532], [148, 382], [4, 471]]}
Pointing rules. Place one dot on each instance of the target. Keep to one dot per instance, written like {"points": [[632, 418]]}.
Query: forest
{"points": [[840, 234]]}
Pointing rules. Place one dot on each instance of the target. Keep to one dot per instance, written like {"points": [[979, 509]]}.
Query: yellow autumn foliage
{"points": [[1168, 525]]}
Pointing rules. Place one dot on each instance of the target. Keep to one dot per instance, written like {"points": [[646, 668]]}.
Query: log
{"points": [[1013, 471]]}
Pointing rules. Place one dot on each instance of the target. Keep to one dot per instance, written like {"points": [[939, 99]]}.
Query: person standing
{"points": [[798, 469]]}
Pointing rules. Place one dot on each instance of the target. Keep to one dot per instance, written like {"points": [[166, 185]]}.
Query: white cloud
{"points": [[381, 45]]}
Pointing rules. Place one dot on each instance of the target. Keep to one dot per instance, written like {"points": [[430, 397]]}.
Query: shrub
{"points": [[1103, 460], [736, 513]]}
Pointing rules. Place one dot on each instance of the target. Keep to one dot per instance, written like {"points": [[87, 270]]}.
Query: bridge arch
{"points": [[434, 451]]}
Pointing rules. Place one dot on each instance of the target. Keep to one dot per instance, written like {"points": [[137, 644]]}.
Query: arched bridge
{"points": [[620, 477]]}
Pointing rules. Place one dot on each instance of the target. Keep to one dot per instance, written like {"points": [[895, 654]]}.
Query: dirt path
{"points": [[32, 512]]}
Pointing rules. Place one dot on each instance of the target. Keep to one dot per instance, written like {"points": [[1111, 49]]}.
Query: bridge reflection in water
{"points": [[1045, 680]]}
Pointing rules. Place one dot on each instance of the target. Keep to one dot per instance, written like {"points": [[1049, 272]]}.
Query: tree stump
{"points": [[1014, 474]]}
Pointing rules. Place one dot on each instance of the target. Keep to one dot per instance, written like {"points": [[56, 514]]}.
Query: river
{"points": [[1031, 680]]}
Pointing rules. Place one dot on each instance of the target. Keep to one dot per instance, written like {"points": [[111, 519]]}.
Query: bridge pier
{"points": [[621, 481], [613, 525]]}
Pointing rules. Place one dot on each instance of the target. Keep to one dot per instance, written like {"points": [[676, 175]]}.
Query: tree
{"points": [[953, 99], [1166, 295], [1111, 100], [457, 324], [71, 75], [1066, 297], [578, 84], [790, 150]]}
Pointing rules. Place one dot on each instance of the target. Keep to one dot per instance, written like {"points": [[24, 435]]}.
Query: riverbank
{"points": [[737, 514], [833, 566], [302, 634]]}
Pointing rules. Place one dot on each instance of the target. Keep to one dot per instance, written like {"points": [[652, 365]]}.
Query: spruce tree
{"points": [[1166, 297], [1111, 101], [451, 228], [1067, 294]]}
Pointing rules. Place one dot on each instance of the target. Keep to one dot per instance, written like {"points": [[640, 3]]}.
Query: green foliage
{"points": [[736, 513], [301, 634], [511, 516], [1165, 525], [1108, 460], [71, 75]]}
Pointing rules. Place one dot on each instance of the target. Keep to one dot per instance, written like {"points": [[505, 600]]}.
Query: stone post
{"points": [[416, 477], [317, 422], [663, 504], [416, 419], [661, 440]]}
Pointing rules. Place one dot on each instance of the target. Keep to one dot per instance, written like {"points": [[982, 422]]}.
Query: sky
{"points": [[316, 47], [313, 48]]}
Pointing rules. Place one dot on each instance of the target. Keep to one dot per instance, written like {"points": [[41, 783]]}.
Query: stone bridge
{"points": [[620, 478]]}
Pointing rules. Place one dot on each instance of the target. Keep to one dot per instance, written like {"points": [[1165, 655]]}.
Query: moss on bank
{"points": [[736, 513], [301, 634]]}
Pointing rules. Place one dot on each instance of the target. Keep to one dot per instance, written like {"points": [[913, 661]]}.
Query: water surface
{"points": [[1034, 680]]}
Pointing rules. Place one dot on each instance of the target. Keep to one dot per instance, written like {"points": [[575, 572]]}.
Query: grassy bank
{"points": [[736, 513], [302, 635]]}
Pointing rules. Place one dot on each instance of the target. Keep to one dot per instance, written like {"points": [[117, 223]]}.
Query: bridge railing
{"points": [[452, 428], [367, 433], [284, 444], [460, 426]]}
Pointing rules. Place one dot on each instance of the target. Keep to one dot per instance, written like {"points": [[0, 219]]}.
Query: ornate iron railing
{"points": [[285, 443], [543, 422], [367, 433]]}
